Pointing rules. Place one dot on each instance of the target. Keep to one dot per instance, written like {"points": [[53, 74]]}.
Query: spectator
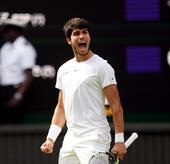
{"points": [[17, 57]]}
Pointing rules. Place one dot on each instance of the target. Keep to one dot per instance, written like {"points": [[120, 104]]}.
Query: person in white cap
{"points": [[17, 57]]}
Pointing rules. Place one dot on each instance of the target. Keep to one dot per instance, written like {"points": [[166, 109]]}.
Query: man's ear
{"points": [[68, 40]]}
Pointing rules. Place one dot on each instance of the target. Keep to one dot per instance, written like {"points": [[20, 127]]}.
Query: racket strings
{"points": [[101, 158]]}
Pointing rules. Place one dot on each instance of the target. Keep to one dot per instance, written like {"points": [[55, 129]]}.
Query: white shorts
{"points": [[79, 150]]}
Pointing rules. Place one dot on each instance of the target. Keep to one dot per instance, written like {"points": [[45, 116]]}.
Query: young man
{"points": [[17, 57], [84, 82]]}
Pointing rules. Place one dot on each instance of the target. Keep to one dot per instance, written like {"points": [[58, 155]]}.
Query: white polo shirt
{"points": [[14, 59], [82, 84]]}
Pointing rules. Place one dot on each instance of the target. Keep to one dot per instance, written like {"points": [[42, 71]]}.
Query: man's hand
{"points": [[119, 149], [47, 146]]}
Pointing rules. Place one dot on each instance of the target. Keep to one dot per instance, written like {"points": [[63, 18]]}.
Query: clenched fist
{"points": [[47, 146]]}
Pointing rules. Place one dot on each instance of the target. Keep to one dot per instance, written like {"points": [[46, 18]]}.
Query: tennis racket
{"points": [[107, 158]]}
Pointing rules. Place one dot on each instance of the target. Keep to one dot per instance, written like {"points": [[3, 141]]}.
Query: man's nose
{"points": [[81, 35]]}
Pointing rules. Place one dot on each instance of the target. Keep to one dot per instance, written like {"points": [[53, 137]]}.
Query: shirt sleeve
{"points": [[58, 84], [28, 58], [107, 75]]}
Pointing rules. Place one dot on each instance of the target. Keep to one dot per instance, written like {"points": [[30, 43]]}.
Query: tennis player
{"points": [[84, 81]]}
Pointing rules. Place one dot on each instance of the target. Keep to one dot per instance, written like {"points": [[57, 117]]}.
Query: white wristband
{"points": [[53, 132], [119, 137]]}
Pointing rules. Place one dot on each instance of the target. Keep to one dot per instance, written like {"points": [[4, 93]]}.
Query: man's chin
{"points": [[84, 52]]}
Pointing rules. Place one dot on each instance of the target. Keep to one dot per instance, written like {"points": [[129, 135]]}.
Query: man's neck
{"points": [[81, 58]]}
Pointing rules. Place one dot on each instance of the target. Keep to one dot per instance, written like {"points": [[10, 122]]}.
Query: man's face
{"points": [[80, 41]]}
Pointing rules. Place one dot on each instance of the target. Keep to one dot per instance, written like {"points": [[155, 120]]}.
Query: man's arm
{"points": [[113, 98], [18, 96], [57, 123], [59, 114]]}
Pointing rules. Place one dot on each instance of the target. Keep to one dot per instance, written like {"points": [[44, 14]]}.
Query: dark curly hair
{"points": [[75, 23]]}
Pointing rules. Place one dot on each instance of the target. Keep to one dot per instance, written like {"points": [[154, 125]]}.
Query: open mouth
{"points": [[82, 45]]}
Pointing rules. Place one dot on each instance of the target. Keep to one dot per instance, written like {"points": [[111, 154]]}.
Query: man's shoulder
{"points": [[99, 61], [22, 42], [23, 46], [66, 65], [102, 64], [6, 45]]}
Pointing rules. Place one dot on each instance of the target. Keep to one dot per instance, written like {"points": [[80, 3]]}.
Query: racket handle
{"points": [[131, 139]]}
